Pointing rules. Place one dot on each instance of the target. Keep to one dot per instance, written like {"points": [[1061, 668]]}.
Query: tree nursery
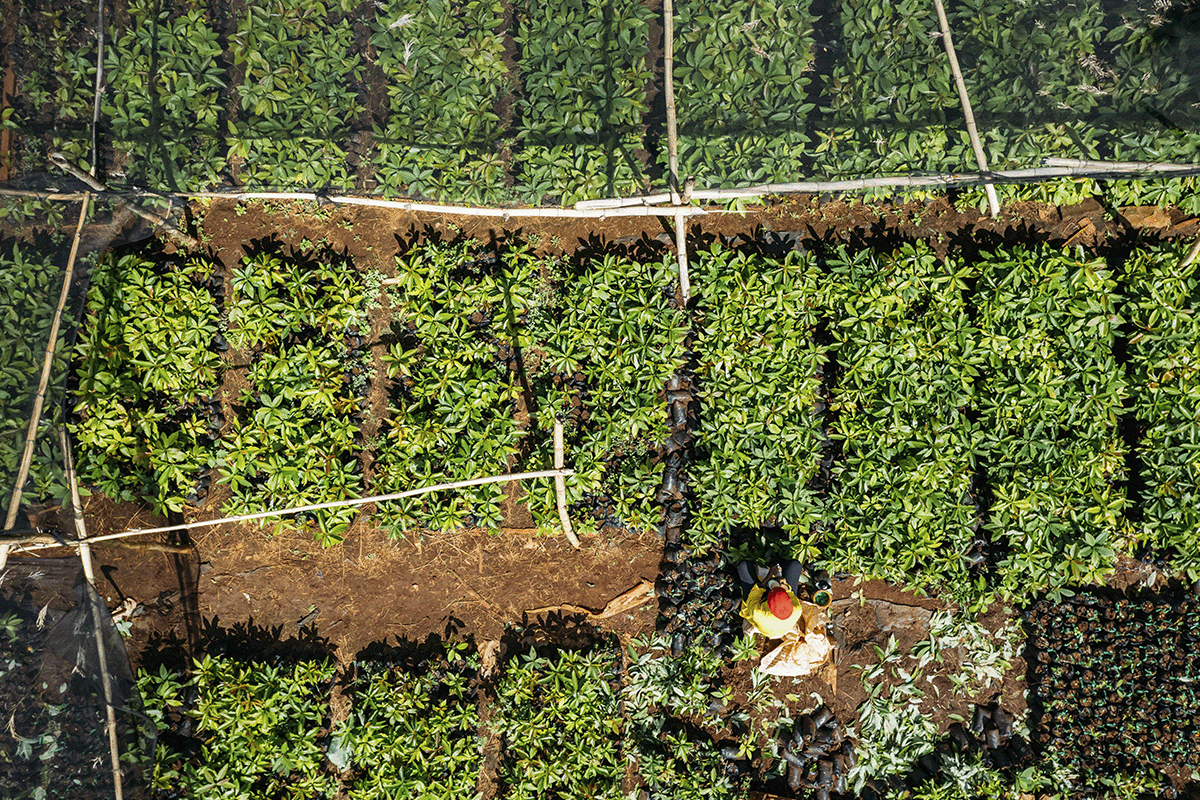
{"points": [[572, 399]]}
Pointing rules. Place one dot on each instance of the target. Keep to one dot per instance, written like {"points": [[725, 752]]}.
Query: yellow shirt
{"points": [[755, 609]]}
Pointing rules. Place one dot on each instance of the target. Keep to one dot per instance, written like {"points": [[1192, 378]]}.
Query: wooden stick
{"points": [[85, 557], [45, 540], [357, 501], [39, 399], [560, 485], [669, 88], [972, 133], [60, 161]]}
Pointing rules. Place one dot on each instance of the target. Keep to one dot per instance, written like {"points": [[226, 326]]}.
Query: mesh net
{"points": [[54, 631]]}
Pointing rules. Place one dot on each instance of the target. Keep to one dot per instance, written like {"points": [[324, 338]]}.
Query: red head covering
{"points": [[779, 603]]}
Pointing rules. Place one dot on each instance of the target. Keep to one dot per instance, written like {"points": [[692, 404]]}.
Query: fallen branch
{"points": [[625, 601], [45, 540]]}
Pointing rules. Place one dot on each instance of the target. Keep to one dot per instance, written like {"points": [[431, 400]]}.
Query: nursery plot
{"points": [[560, 720], [584, 80], [759, 368], [661, 696], [413, 733], [1164, 353], [56, 78], [295, 432], [296, 99], [741, 74], [476, 334], [902, 504], [1048, 404], [605, 343], [168, 98], [257, 728], [145, 422], [1115, 683], [446, 71], [453, 399]]}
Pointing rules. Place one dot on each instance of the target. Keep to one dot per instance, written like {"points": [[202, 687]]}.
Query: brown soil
{"points": [[374, 235]]}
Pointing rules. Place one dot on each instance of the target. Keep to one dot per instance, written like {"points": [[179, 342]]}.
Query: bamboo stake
{"points": [[669, 88], [357, 501], [39, 399], [62, 163], [972, 133], [560, 485], [99, 86], [685, 282], [85, 557]]}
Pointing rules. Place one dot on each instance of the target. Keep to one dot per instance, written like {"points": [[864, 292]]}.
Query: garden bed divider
{"points": [[964, 98], [355, 501]]}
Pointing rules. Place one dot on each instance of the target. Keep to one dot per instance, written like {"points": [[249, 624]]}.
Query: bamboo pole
{"points": [[972, 132], [1028, 175], [72, 197], [39, 399], [685, 282], [1122, 166], [439, 208], [85, 558], [99, 86], [60, 161], [357, 501], [560, 485]]}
